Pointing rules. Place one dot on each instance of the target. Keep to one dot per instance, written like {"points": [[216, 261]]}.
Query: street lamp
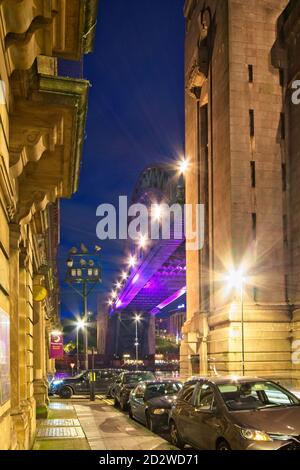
{"points": [[132, 261], [137, 319], [183, 166], [83, 269], [142, 242], [158, 211], [236, 280], [79, 326]]}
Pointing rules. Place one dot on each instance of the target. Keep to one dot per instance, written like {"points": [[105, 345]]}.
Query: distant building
{"points": [[170, 324]]}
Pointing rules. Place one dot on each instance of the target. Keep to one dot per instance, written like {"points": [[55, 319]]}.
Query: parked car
{"points": [[151, 402], [126, 382], [80, 384], [235, 414]]}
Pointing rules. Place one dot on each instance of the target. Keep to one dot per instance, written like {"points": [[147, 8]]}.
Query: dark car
{"points": [[236, 414], [127, 382], [151, 402], [80, 384]]}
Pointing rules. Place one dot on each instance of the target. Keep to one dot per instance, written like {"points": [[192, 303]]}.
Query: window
{"points": [[205, 398], [162, 389], [253, 174], [250, 73], [106, 374], [253, 395], [251, 123], [139, 391], [187, 392]]}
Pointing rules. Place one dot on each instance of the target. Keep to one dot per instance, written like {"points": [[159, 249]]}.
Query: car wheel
{"points": [[123, 404], [151, 425], [223, 445], [175, 436], [66, 392]]}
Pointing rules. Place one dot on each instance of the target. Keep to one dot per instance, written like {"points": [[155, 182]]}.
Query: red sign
{"points": [[56, 346]]}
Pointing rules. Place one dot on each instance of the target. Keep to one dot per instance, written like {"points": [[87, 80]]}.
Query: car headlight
{"points": [[57, 382], [158, 411], [253, 435]]}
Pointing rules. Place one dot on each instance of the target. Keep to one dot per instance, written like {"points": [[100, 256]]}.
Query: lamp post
{"points": [[236, 280], [80, 325], [182, 167], [83, 269], [137, 319]]}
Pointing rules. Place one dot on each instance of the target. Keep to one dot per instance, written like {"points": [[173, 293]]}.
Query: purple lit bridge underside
{"points": [[158, 281], [160, 277]]}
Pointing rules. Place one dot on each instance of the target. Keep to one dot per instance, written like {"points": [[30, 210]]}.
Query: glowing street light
{"points": [[114, 295], [124, 276], [236, 280], [183, 166], [143, 241], [158, 210], [137, 319], [132, 261], [118, 285], [80, 325]]}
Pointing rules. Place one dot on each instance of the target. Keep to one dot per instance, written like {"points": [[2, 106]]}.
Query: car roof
{"points": [[133, 372], [229, 379], [156, 382]]}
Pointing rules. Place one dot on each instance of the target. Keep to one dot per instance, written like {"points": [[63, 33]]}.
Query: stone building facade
{"points": [[41, 136], [243, 148]]}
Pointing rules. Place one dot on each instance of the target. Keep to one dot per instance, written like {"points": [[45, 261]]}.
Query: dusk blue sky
{"points": [[135, 118]]}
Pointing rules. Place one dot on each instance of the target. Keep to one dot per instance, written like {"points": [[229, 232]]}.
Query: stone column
{"points": [[151, 335], [40, 383], [19, 418]]}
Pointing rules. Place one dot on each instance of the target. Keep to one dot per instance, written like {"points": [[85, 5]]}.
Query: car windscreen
{"points": [[162, 389], [255, 395], [134, 378]]}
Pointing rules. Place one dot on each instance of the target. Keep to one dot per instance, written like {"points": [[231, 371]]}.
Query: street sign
{"points": [[56, 346]]}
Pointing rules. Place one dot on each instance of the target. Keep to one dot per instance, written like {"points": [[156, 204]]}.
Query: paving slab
{"points": [[62, 429]]}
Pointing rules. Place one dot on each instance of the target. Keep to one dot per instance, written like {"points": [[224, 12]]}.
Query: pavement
{"points": [[61, 430], [79, 424]]}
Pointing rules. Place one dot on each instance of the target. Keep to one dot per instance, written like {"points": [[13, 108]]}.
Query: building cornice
{"points": [[71, 93]]}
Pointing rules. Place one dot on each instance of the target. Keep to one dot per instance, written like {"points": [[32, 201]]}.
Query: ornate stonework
{"points": [[245, 168], [41, 136]]}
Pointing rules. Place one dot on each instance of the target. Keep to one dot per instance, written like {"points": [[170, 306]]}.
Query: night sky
{"points": [[135, 118]]}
